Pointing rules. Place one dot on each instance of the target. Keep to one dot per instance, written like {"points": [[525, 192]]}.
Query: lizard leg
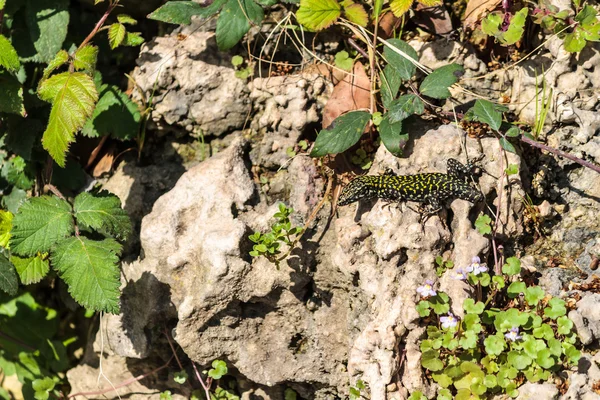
{"points": [[461, 171], [431, 207]]}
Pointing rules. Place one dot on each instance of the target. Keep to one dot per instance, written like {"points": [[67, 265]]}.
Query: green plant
{"points": [[361, 158], [442, 265], [492, 25], [502, 341], [355, 391], [49, 231], [282, 233]]}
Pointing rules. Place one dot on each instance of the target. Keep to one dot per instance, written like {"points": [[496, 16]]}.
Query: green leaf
{"points": [[356, 13], [436, 84], [404, 107], [115, 114], [31, 269], [417, 395], [431, 360], [181, 12], [444, 394], [290, 394], [490, 25], [556, 308], [519, 360], [483, 224], [116, 34], [6, 218], [572, 353], [488, 112], [9, 58], [47, 22], [508, 146], [234, 21], [442, 379], [423, 308], [512, 266], [73, 96], [516, 27], [515, 289], [564, 325], [85, 58], [400, 7], [586, 16], [2, 4], [166, 395], [42, 387], [545, 359], [218, 370], [103, 213], [126, 19], [404, 68], [512, 169], [498, 281], [90, 269], [11, 95], [133, 39], [494, 345], [440, 303], [342, 134], [392, 136], [469, 340], [473, 308], [533, 295], [390, 84], [343, 61], [544, 331], [9, 282], [317, 15], [180, 377], [60, 59], [513, 131], [39, 224], [574, 42]]}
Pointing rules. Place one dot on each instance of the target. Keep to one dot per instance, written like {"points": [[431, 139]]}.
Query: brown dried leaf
{"points": [[352, 93], [388, 23], [477, 9], [434, 19], [105, 163]]}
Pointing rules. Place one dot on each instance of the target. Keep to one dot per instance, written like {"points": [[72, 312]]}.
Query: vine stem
{"points": [[205, 386], [99, 25], [561, 153], [122, 384]]}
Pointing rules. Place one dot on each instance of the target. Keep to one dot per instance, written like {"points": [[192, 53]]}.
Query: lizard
{"points": [[432, 189]]}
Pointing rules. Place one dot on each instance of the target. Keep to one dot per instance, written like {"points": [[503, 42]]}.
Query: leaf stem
{"points": [[101, 22]]}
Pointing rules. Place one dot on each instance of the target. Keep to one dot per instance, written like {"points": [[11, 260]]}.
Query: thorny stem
{"points": [[99, 25], [55, 191], [561, 153], [122, 384]]}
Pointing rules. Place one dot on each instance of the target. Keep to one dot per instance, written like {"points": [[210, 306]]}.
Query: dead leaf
{"points": [[388, 23], [352, 93], [105, 163], [327, 71], [477, 9], [434, 19]]}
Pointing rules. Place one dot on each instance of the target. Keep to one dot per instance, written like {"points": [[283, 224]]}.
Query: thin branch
{"points": [[99, 25], [358, 48], [173, 348], [204, 386], [561, 153]]}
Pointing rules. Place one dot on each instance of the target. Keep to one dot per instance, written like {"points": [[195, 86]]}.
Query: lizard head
{"points": [[358, 188]]}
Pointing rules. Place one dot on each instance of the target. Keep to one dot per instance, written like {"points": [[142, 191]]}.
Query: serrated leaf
{"points": [[2, 4], [403, 66], [116, 34], [132, 39], [6, 218], [342, 134], [234, 21], [85, 58], [115, 114], [30, 269], [399, 7], [126, 19], [73, 96], [9, 58], [48, 22], [317, 15], [405, 106], [103, 213], [9, 282], [59, 59], [436, 84], [90, 269], [11, 95], [39, 224], [356, 13], [392, 136], [181, 12]]}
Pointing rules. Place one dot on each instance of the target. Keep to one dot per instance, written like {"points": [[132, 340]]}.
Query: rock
{"points": [[196, 87], [587, 323], [537, 391], [285, 106]]}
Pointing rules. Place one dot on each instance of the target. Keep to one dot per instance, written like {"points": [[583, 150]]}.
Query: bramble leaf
{"points": [[6, 218], [342, 134], [234, 21], [133, 39], [90, 269], [59, 59], [39, 224], [31, 269], [317, 15], [11, 95], [115, 114], [48, 22], [8, 276], [85, 58], [356, 13], [9, 58], [116, 34], [126, 19], [399, 7], [73, 96], [436, 84], [181, 12], [103, 213]]}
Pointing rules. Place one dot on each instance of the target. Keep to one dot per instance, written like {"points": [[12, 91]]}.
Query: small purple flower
{"points": [[513, 335], [476, 267], [427, 289], [448, 322], [459, 274]]}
